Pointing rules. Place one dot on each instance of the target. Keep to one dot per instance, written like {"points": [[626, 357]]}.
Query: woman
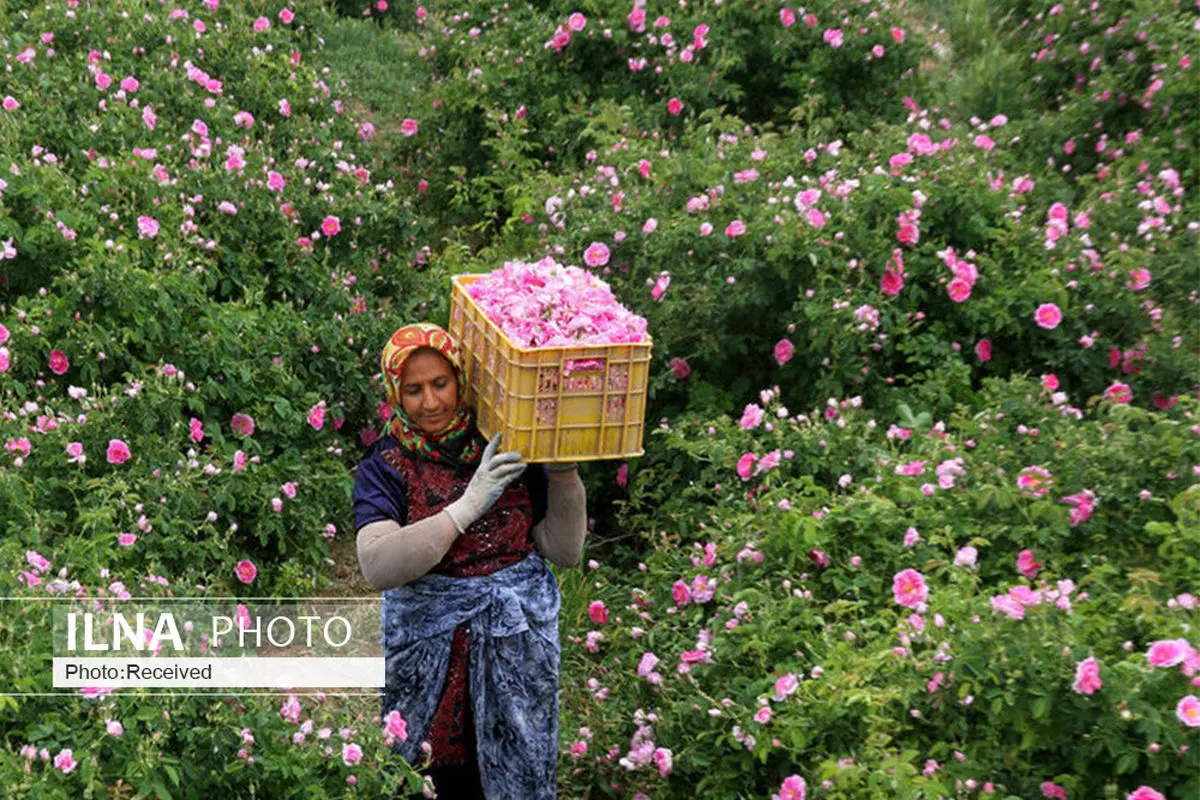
{"points": [[456, 536]]}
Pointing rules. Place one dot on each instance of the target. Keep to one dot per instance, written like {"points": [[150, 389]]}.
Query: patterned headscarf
{"points": [[459, 443]]}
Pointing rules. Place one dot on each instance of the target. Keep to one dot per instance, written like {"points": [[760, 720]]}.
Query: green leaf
{"points": [[1127, 763]]}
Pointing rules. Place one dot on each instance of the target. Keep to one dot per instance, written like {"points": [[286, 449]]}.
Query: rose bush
{"points": [[193, 241], [853, 606], [966, 569]]}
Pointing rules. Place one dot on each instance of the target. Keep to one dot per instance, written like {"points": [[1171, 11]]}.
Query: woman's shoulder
{"points": [[381, 445], [379, 455]]}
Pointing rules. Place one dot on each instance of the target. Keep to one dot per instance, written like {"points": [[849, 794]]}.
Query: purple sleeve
{"points": [[379, 492]]}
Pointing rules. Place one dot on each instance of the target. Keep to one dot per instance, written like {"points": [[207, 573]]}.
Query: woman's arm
{"points": [[391, 555], [559, 537]]}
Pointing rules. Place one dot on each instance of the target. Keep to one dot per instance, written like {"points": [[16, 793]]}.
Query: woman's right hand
{"points": [[492, 476]]}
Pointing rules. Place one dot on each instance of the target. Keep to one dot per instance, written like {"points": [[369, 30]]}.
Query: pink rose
{"points": [[1047, 316], [1053, 790], [752, 417], [598, 612], [908, 234], [1145, 793], [1167, 652], [959, 290], [1034, 481], [983, 350], [242, 424], [681, 594], [660, 286], [783, 351], [65, 762], [966, 557], [793, 788], [1026, 564], [1188, 711], [59, 363], [1087, 676], [909, 589], [409, 127], [316, 416], [395, 726], [596, 255], [1119, 393], [118, 451], [891, 283], [245, 571], [331, 226], [663, 760], [674, 106], [680, 368], [147, 227], [744, 464]]}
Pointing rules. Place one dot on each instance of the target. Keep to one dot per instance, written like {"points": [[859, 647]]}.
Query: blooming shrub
{"points": [[970, 672], [191, 236], [968, 568]]}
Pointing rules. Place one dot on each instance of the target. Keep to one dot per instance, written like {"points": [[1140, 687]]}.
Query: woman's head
{"points": [[423, 377], [429, 390]]}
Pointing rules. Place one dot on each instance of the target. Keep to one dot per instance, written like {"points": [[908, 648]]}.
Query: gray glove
{"points": [[495, 472]]}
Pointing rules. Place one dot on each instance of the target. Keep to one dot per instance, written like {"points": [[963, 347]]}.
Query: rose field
{"points": [[919, 510]]}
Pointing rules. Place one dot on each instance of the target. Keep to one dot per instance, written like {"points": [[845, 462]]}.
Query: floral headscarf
{"points": [[459, 443]]}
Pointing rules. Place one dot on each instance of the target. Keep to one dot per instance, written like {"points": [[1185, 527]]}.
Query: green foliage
{"points": [[883, 691], [529, 143]]}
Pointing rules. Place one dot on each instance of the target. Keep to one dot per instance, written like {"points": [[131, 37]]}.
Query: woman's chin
{"points": [[438, 426]]}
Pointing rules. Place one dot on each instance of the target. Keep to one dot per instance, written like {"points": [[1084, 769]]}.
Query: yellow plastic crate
{"points": [[577, 403]]}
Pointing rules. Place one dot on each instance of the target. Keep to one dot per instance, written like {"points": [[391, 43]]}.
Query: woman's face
{"points": [[429, 391]]}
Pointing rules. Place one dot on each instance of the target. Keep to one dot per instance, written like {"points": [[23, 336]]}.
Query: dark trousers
{"points": [[454, 782]]}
